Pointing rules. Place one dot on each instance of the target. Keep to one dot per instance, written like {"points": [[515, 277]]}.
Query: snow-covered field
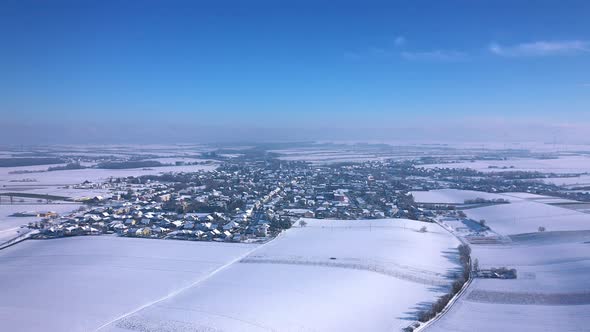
{"points": [[328, 276], [525, 213], [77, 176], [527, 216], [467, 316], [452, 196], [321, 154], [562, 165], [89, 150], [81, 283], [173, 160], [551, 293], [456, 196], [320, 277], [323, 158]]}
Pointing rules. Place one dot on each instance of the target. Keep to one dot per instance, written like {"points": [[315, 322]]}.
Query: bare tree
{"points": [[302, 223]]}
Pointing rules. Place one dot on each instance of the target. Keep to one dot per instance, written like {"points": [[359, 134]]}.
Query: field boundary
{"points": [[455, 298]]}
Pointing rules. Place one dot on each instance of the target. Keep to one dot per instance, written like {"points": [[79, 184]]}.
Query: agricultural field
{"points": [[527, 216], [562, 165], [551, 291], [321, 277], [317, 277], [524, 213], [453, 196], [81, 283], [76, 176]]}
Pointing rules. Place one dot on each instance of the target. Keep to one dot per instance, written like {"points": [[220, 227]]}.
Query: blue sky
{"points": [[327, 66]]}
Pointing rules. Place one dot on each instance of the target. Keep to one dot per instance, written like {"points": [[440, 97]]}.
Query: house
{"points": [[90, 230], [231, 225], [158, 230], [119, 228], [206, 226], [262, 230], [164, 198], [72, 230], [237, 237], [145, 231]]}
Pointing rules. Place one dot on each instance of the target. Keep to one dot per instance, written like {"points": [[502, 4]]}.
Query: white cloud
{"points": [[399, 41], [541, 48], [436, 55]]}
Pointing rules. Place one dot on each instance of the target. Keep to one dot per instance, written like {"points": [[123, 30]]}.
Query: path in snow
{"points": [[180, 290]]}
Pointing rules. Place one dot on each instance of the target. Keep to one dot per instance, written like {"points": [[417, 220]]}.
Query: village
{"points": [[241, 201], [253, 198]]}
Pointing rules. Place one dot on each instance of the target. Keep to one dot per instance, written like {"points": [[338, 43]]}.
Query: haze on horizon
{"points": [[178, 71]]}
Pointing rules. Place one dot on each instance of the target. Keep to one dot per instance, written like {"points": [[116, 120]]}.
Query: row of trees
{"points": [[129, 164], [441, 302]]}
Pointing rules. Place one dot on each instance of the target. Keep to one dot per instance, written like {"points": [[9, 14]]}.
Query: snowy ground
{"points": [[323, 277], [316, 278], [81, 283], [89, 150], [452, 196], [551, 292], [325, 154], [527, 216], [524, 214], [562, 165], [77, 176]]}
